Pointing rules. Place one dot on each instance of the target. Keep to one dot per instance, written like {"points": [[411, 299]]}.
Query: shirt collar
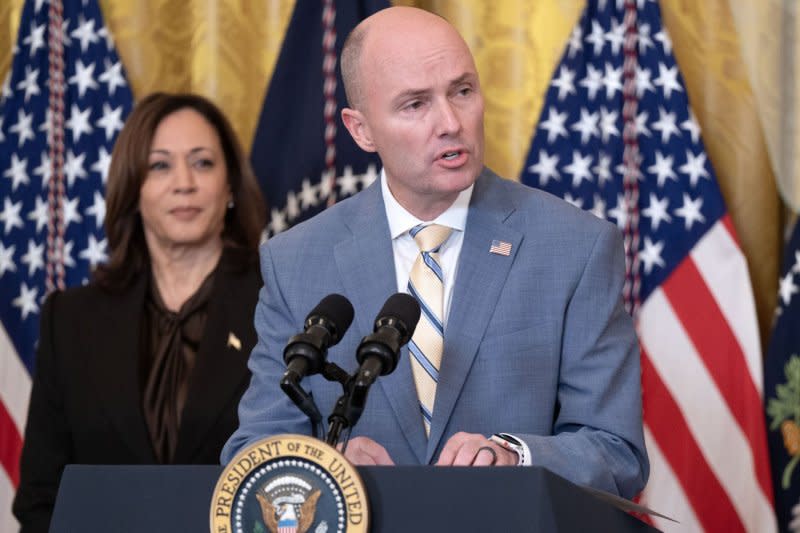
{"points": [[400, 220]]}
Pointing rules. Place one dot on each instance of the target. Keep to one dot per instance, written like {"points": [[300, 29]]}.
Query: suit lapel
{"points": [[221, 363], [366, 266], [480, 279], [115, 366]]}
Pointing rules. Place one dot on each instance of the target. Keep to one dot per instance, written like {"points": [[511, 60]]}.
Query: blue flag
{"points": [[303, 156], [782, 389], [55, 146]]}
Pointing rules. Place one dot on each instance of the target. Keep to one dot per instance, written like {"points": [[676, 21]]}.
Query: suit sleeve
{"points": [[47, 447], [597, 435], [264, 409]]}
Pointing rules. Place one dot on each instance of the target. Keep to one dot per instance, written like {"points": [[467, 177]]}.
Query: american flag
{"points": [[782, 389], [304, 158], [617, 137], [55, 145]]}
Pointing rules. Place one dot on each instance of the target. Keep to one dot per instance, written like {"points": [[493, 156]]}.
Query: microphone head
{"points": [[334, 313], [400, 309]]}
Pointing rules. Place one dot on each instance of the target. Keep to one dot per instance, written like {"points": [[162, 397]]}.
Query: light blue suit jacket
{"points": [[537, 343]]}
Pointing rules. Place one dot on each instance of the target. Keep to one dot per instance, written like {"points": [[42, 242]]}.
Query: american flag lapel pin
{"points": [[234, 342], [500, 248]]}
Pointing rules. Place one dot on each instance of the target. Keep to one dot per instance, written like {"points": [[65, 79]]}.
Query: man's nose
{"points": [[449, 121]]}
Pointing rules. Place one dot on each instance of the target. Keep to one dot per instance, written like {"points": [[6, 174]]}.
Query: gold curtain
{"points": [[227, 50]]}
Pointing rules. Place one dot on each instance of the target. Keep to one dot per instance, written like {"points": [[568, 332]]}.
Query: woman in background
{"points": [[146, 364]]}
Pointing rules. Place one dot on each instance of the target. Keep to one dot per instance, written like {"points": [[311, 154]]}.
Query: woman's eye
{"points": [[158, 165]]}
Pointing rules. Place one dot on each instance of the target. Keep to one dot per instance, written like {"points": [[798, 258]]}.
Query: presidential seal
{"points": [[289, 484]]}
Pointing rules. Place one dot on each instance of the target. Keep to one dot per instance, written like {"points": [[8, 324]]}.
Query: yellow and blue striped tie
{"points": [[426, 284]]}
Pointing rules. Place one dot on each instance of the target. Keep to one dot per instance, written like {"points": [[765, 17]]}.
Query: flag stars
{"points": [[23, 127], [35, 38], [347, 182], [616, 36], [598, 207], [292, 206], [690, 211], [586, 125], [7, 259], [17, 172], [79, 122], [643, 81], [5, 90], [666, 43], [102, 164], [95, 252], [668, 79], [39, 214], [34, 257], [691, 125], [620, 212], [44, 170], [71, 213], [575, 43], [112, 76], [603, 169], [662, 168], [608, 124], [695, 167], [657, 211], [73, 168], [97, 209], [612, 80], [546, 168], [597, 38], [641, 124], [565, 83], [111, 121], [29, 84], [579, 168], [644, 39], [555, 124], [83, 77], [85, 33], [368, 177], [26, 301], [9, 216], [277, 221], [575, 201], [593, 81], [787, 288], [650, 255], [666, 124], [308, 195]]}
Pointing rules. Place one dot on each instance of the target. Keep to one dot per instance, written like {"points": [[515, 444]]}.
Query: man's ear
{"points": [[356, 124]]}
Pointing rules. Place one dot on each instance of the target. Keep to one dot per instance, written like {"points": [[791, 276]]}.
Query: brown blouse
{"points": [[169, 346]]}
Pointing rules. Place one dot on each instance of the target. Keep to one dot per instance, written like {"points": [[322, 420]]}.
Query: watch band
{"points": [[510, 442]]}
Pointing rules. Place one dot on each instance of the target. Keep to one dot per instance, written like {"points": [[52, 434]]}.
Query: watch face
{"points": [[510, 438]]}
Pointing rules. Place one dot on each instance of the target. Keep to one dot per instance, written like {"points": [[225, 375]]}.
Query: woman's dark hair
{"points": [[128, 170]]}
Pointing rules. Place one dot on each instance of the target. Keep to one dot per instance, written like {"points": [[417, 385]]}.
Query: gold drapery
{"points": [[227, 50]]}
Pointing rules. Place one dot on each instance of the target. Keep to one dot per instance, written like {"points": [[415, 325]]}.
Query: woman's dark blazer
{"points": [[86, 403]]}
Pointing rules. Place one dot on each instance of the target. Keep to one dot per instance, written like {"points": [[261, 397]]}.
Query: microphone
{"points": [[379, 352], [377, 355], [325, 325]]}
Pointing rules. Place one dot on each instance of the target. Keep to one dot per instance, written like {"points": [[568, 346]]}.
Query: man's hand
{"points": [[468, 449], [363, 451]]}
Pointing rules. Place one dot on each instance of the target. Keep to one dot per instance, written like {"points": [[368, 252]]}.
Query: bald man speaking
{"points": [[523, 354]]}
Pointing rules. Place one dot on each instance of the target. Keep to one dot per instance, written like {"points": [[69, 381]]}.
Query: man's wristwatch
{"points": [[510, 442]]}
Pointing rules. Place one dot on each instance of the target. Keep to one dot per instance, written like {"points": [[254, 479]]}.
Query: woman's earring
{"points": [[230, 203]]}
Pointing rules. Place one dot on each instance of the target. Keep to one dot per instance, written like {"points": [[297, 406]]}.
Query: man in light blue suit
{"points": [[539, 362]]}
